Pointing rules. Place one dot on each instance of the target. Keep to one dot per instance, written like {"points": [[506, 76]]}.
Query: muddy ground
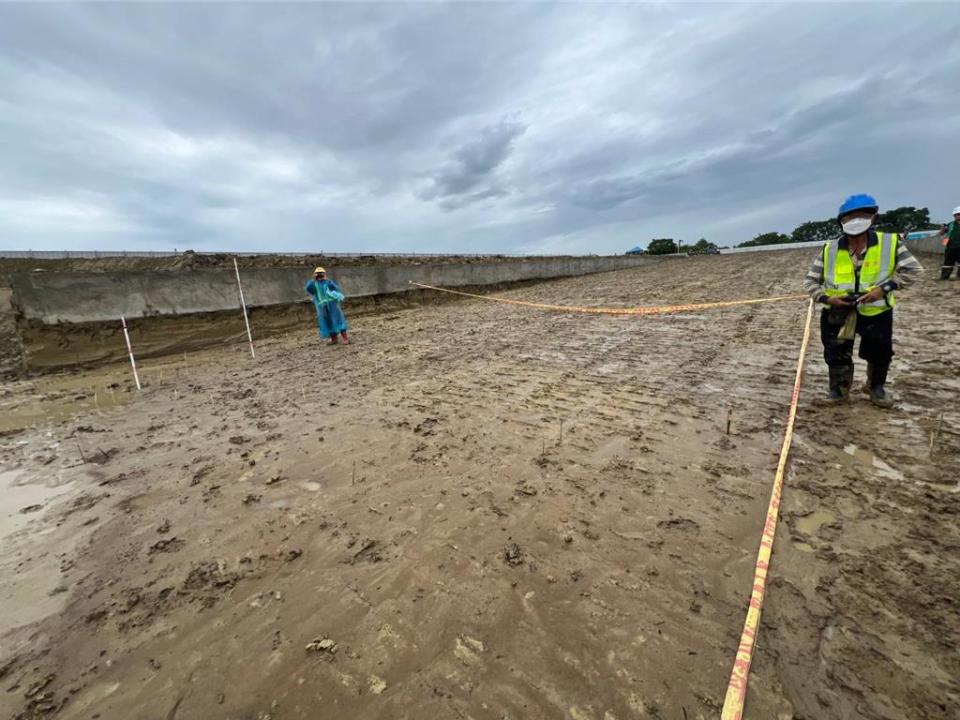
{"points": [[485, 511]]}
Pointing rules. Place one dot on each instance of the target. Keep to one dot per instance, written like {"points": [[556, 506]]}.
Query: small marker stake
{"points": [[133, 363], [246, 321]]}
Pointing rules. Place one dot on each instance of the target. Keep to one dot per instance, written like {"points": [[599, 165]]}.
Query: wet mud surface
{"points": [[485, 511]]}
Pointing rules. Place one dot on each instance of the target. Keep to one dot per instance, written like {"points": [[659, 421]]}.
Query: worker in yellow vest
{"points": [[855, 277]]}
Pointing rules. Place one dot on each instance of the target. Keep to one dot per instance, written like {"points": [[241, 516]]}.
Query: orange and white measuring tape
{"points": [[653, 310], [736, 696]]}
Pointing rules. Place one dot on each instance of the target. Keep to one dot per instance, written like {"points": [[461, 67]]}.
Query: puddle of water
{"points": [[27, 594], [46, 410], [811, 524], [16, 494], [852, 455], [55, 397]]}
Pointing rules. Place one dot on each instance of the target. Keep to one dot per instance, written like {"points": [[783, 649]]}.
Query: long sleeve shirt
{"points": [[906, 270], [953, 234]]}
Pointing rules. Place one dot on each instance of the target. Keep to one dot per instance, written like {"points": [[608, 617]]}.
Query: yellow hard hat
{"points": [[318, 270]]}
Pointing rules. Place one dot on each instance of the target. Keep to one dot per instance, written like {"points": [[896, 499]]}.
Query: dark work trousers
{"points": [[950, 258], [876, 340]]}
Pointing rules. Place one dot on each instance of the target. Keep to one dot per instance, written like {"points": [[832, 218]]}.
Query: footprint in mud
{"points": [[84, 502], [369, 552], [201, 474], [212, 573], [165, 545], [426, 426], [681, 524], [513, 555]]}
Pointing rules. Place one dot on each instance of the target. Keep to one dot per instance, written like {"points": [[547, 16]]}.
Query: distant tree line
{"points": [[669, 246], [900, 220]]}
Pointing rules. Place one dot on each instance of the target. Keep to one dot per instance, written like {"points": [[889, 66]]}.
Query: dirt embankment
{"points": [[486, 511], [11, 348], [191, 260]]}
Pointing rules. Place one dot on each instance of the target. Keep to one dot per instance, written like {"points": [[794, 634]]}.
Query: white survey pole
{"points": [[244, 306], [133, 363]]}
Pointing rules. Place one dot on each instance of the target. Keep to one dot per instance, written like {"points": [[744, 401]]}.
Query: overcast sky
{"points": [[466, 127]]}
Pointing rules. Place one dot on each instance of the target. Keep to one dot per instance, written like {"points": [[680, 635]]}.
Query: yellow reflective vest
{"points": [[879, 263]]}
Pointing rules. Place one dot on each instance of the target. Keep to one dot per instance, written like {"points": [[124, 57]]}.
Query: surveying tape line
{"points": [[655, 310], [737, 689]]}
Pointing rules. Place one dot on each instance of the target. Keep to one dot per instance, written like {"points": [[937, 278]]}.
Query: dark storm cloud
{"points": [[472, 165], [465, 127]]}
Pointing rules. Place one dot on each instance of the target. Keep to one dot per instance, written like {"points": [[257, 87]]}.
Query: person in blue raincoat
{"points": [[326, 296]]}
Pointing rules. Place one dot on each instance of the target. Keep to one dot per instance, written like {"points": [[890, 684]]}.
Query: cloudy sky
{"points": [[466, 127]]}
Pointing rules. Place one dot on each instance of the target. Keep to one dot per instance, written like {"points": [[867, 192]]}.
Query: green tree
{"points": [[770, 238], [904, 219], [820, 231], [702, 246], [661, 246]]}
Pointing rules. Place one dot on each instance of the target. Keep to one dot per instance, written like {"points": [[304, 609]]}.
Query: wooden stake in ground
{"points": [[133, 363], [246, 320], [935, 434]]}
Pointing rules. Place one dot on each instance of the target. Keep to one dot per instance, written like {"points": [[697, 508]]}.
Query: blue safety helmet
{"points": [[858, 202]]}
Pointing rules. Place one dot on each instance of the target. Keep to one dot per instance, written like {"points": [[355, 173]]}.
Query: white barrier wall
{"points": [[79, 297]]}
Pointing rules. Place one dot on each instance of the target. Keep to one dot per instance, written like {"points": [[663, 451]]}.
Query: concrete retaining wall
{"points": [[932, 245], [52, 297]]}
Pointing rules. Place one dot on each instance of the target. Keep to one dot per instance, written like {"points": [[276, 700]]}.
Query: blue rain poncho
{"points": [[326, 295]]}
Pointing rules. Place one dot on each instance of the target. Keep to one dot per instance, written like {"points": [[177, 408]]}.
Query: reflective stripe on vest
{"points": [[879, 262]]}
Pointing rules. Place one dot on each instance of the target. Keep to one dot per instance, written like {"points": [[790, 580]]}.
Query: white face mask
{"points": [[856, 226]]}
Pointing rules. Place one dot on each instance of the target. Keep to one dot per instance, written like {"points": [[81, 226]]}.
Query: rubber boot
{"points": [[839, 383], [877, 378], [346, 339], [333, 340]]}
